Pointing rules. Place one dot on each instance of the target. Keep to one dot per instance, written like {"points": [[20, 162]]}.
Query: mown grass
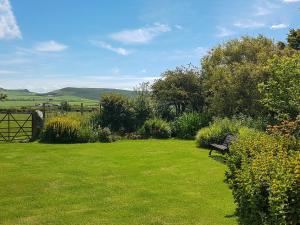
{"points": [[127, 182]]}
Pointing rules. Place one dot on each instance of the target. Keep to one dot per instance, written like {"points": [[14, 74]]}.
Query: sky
{"points": [[51, 44]]}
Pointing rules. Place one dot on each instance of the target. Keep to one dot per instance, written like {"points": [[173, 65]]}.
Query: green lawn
{"points": [[128, 182]]}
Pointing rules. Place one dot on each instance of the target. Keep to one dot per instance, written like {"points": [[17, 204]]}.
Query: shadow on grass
{"points": [[219, 158]]}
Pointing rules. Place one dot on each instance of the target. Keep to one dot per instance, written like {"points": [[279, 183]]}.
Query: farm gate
{"points": [[19, 126]]}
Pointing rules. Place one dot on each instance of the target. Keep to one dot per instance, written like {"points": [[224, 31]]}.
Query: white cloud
{"points": [[265, 7], [120, 51], [50, 46], [279, 26], [141, 35], [179, 27], [9, 28], [290, 1], [6, 72], [224, 32], [249, 24]]}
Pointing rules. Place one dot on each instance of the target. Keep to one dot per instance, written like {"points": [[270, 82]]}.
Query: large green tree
{"points": [[281, 92], [180, 89], [294, 39], [231, 73]]}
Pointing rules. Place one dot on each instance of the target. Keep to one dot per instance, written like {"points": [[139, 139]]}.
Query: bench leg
{"points": [[210, 152]]}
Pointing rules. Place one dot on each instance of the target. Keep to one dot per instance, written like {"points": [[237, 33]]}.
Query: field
{"points": [[127, 182], [74, 96]]}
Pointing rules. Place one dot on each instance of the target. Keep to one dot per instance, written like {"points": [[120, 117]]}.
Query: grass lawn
{"points": [[128, 182]]}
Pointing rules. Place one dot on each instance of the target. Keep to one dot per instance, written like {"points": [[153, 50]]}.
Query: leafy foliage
{"points": [[231, 73], [281, 92], [2, 96], [187, 125], [156, 128], [217, 131], [264, 177], [105, 135], [180, 88], [294, 39], [117, 113]]}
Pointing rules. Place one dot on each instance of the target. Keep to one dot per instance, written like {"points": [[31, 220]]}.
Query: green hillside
{"points": [[75, 96], [88, 93]]}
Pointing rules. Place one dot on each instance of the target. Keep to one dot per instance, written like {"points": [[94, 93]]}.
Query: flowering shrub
{"points": [[264, 177]]}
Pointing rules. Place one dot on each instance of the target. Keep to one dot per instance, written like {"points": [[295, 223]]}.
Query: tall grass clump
{"points": [[187, 125], [156, 128], [217, 131], [68, 129]]}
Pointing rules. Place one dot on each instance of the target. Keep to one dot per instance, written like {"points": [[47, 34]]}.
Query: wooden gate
{"points": [[16, 126]]}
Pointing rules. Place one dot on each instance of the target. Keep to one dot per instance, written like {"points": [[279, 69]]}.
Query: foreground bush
{"points": [[61, 129], [264, 176], [68, 129], [156, 128], [217, 131], [187, 125]]}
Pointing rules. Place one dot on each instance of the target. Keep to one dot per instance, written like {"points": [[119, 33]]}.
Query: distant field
{"points": [[74, 96], [151, 182]]}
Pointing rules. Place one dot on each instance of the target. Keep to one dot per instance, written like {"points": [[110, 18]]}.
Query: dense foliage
{"points": [[281, 92], [294, 39], [180, 88], [264, 177], [156, 128], [187, 125], [231, 73], [117, 113], [217, 131]]}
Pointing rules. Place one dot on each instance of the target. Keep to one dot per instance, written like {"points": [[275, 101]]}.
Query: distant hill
{"points": [[87, 93]]}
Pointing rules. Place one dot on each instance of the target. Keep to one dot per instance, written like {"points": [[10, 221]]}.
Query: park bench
{"points": [[222, 148]]}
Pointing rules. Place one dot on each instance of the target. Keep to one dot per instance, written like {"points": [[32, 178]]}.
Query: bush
{"points": [[187, 125], [68, 129], [156, 128], [105, 135], [61, 129], [117, 113], [217, 131], [264, 177], [87, 134]]}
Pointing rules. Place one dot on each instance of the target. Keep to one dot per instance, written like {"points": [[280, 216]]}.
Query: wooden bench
{"points": [[223, 148]]}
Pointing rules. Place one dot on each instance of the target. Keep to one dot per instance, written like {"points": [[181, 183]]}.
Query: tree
{"points": [[2, 96], [281, 92], [180, 88], [117, 113], [294, 39], [231, 73], [142, 103]]}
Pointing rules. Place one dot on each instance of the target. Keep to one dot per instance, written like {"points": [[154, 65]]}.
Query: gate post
{"points": [[37, 124]]}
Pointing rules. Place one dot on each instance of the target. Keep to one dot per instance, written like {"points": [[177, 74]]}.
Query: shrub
{"points": [[217, 131], [61, 129], [156, 128], [105, 135], [87, 134], [187, 125], [117, 113], [264, 177]]}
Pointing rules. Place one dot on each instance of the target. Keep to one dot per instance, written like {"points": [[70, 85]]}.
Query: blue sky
{"points": [[49, 44]]}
